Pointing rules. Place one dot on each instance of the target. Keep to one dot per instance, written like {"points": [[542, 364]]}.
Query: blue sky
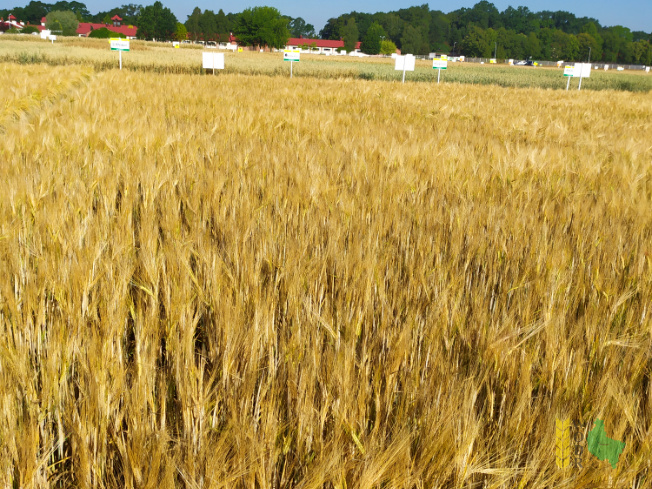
{"points": [[635, 14]]}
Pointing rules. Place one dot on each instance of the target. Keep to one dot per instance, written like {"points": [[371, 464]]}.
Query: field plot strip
{"points": [[26, 89], [163, 58], [248, 282]]}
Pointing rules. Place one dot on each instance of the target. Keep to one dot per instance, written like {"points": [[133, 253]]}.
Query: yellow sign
{"points": [[239, 50]]}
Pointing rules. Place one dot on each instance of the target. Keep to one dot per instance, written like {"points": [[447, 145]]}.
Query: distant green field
{"points": [[163, 58]]}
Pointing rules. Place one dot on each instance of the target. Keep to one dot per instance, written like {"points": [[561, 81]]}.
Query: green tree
{"points": [[223, 23], [615, 38], [372, 39], [130, 13], [299, 28], [208, 25], [35, 11], [387, 47], [517, 19], [79, 9], [66, 22], [413, 41], [333, 28], [588, 42], [192, 24], [29, 29], [646, 58], [634, 52], [477, 43], [439, 33], [349, 34], [572, 48], [562, 46], [104, 33], [392, 24], [262, 26], [182, 32], [532, 46], [157, 22]]}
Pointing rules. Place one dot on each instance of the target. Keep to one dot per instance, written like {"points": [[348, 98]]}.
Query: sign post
{"points": [[291, 55], [404, 63], [581, 70], [569, 72], [119, 45], [213, 61], [440, 64], [585, 72]]}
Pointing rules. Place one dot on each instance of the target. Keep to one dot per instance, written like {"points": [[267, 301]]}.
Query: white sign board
{"points": [[213, 61], [405, 63], [291, 55], [52, 37], [579, 69], [439, 64], [585, 70], [569, 71], [647, 70], [119, 45]]}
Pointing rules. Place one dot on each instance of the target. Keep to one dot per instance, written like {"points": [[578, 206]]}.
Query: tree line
{"points": [[479, 31], [484, 31]]}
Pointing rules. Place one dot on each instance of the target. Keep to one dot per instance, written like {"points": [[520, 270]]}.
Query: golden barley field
{"points": [[254, 282], [162, 58]]}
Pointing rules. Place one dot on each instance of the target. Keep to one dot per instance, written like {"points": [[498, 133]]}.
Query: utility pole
{"points": [[589, 54]]}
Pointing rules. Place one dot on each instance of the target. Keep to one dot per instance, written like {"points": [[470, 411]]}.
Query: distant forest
{"points": [[514, 33], [480, 31]]}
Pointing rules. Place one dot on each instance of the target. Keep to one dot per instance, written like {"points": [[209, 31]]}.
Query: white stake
{"points": [[438, 73], [568, 83], [404, 64], [580, 85]]}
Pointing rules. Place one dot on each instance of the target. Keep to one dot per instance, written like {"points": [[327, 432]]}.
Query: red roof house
{"points": [[85, 28]]}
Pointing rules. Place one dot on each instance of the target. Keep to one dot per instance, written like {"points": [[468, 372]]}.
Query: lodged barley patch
{"points": [[240, 281]]}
